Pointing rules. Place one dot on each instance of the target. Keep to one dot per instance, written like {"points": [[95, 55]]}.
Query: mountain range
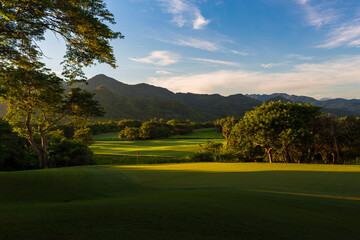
{"points": [[144, 101]]}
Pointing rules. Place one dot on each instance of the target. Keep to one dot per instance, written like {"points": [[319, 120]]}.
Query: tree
{"points": [[82, 25], [277, 128], [36, 104], [34, 95]]}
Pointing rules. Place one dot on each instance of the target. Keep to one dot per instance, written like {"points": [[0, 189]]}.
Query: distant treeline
{"points": [[287, 132]]}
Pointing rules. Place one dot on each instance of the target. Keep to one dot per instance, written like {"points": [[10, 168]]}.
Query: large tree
{"points": [[277, 128], [37, 103], [35, 96]]}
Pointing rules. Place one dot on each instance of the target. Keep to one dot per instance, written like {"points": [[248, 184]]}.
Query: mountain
{"points": [[144, 101], [141, 90], [120, 107], [339, 107]]}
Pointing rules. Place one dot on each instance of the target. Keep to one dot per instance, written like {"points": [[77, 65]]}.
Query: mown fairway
{"points": [[182, 201], [176, 146]]}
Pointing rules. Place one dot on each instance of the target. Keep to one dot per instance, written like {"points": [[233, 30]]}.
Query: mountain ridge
{"points": [[144, 101]]}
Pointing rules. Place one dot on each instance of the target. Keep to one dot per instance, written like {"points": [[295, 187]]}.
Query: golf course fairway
{"points": [[182, 201]]}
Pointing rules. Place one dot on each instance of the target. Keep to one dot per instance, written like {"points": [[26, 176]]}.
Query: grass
{"points": [[204, 133], [176, 147], [159, 147], [182, 201]]}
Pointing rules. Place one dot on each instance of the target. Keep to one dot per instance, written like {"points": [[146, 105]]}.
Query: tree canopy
{"points": [[82, 25], [36, 97], [276, 127]]}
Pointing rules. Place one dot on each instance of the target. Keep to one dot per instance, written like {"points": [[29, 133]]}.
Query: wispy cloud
{"points": [[239, 53], [300, 57], [341, 30], [234, 64], [159, 58], [163, 72], [318, 15], [193, 42], [183, 12], [321, 80], [348, 34]]}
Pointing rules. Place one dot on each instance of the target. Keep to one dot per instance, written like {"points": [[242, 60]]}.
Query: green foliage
{"points": [[14, 150], [82, 24], [65, 153], [131, 133], [209, 152], [129, 123], [280, 129]]}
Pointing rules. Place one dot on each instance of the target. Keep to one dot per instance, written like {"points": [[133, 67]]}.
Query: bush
{"points": [[203, 157], [65, 152], [14, 150]]}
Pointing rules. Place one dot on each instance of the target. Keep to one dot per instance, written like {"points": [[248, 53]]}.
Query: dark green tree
{"points": [[34, 95], [277, 128], [37, 103]]}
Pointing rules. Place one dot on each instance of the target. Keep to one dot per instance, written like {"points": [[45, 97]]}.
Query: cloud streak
{"points": [[341, 31], [158, 58], [318, 80], [227, 63], [184, 12]]}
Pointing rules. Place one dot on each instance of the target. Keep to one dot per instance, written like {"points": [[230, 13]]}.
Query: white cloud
{"points": [[234, 64], [159, 58], [346, 35], [300, 57], [163, 72], [318, 15], [321, 80], [271, 65], [197, 43], [239, 53], [341, 31], [183, 12]]}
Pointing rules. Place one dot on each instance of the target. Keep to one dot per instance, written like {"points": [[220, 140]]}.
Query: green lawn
{"points": [[159, 147], [176, 146], [204, 133], [182, 201]]}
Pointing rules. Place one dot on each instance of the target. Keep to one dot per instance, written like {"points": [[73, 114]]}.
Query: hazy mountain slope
{"points": [[338, 107], [120, 107], [139, 90]]}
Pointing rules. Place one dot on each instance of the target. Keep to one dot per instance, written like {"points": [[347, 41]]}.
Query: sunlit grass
{"points": [[247, 167], [182, 201], [160, 147]]}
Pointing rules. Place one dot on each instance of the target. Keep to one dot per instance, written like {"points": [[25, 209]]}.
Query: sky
{"points": [[302, 47]]}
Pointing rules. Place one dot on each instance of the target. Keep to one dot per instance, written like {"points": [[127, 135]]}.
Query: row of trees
{"points": [[155, 128], [291, 132]]}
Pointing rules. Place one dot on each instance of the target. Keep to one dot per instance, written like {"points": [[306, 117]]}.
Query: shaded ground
{"points": [[182, 201]]}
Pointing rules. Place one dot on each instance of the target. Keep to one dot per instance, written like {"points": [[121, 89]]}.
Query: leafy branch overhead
{"points": [[82, 25]]}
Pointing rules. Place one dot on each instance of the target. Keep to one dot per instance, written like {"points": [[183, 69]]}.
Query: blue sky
{"points": [[303, 47]]}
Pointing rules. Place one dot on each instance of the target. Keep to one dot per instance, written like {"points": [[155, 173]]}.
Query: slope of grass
{"points": [[182, 201], [159, 147], [204, 133], [176, 146]]}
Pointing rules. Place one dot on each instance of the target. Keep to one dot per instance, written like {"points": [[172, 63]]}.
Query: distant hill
{"points": [[339, 107], [144, 101]]}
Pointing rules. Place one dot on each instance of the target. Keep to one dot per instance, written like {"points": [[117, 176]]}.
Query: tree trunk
{"points": [[268, 151], [43, 149]]}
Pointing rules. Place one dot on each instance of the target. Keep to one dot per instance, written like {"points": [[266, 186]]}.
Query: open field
{"points": [[182, 201], [177, 146]]}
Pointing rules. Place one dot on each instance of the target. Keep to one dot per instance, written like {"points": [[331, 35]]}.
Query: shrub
{"points": [[65, 152]]}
